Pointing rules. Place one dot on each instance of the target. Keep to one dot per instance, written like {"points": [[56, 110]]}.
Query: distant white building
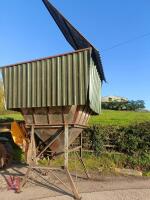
{"points": [[114, 98]]}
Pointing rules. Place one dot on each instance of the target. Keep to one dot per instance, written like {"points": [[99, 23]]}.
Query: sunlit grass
{"points": [[110, 117], [107, 117], [104, 163], [15, 116]]}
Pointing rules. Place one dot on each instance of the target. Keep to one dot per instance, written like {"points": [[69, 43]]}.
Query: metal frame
{"points": [[34, 156]]}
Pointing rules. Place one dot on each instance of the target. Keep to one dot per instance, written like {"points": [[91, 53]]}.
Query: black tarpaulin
{"points": [[75, 39]]}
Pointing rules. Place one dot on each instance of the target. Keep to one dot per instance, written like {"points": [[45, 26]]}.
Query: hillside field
{"points": [[107, 117], [111, 117], [15, 116]]}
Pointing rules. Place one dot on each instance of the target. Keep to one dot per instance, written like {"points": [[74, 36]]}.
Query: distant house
{"points": [[114, 98]]}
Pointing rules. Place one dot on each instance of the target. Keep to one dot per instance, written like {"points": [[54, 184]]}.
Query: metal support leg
{"points": [[72, 184], [81, 145], [32, 158], [84, 167], [66, 132], [24, 181], [33, 147]]}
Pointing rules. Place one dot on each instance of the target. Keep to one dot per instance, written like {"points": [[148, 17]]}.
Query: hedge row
{"points": [[129, 105], [133, 141]]}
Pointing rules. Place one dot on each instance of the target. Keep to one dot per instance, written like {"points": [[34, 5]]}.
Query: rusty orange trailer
{"points": [[11, 133]]}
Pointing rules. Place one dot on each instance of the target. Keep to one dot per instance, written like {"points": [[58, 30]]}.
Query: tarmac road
{"points": [[133, 194], [110, 195], [109, 188]]}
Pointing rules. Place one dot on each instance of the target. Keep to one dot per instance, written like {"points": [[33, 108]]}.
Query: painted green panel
{"points": [[24, 85], [48, 83], [34, 84], [43, 83], [75, 78], [6, 85], [10, 88], [18, 86], [64, 81], [69, 79], [58, 82], [29, 91], [94, 89]]}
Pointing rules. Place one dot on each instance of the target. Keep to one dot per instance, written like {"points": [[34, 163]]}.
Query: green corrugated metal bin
{"points": [[54, 90]]}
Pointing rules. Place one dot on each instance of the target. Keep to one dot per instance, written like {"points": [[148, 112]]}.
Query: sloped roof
{"points": [[75, 39]]}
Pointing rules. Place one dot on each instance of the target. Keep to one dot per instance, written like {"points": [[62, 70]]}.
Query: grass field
{"points": [[107, 117], [108, 161], [15, 116], [110, 117]]}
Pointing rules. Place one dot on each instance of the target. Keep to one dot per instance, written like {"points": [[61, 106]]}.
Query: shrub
{"points": [[130, 105], [141, 162], [133, 140], [98, 138]]}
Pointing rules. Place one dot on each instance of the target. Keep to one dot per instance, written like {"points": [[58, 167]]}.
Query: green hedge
{"points": [[129, 105], [133, 141]]}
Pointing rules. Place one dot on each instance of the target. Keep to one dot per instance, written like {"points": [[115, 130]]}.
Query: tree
{"points": [[130, 105]]}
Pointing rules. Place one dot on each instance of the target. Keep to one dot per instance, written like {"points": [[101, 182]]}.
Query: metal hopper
{"points": [[63, 89], [59, 89]]}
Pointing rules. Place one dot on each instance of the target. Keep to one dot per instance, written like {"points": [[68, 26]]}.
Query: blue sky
{"points": [[27, 31]]}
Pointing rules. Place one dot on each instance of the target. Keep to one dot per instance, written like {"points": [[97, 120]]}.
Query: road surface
{"points": [[116, 189]]}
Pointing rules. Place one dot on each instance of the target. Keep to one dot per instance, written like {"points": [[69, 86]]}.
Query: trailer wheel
{"points": [[3, 155], [6, 154], [10, 152]]}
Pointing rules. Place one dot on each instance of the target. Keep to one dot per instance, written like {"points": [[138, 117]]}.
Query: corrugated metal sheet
{"points": [[94, 89], [56, 81]]}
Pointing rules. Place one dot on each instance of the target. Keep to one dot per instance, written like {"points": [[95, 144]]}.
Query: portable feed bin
{"points": [[63, 89], [56, 95]]}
